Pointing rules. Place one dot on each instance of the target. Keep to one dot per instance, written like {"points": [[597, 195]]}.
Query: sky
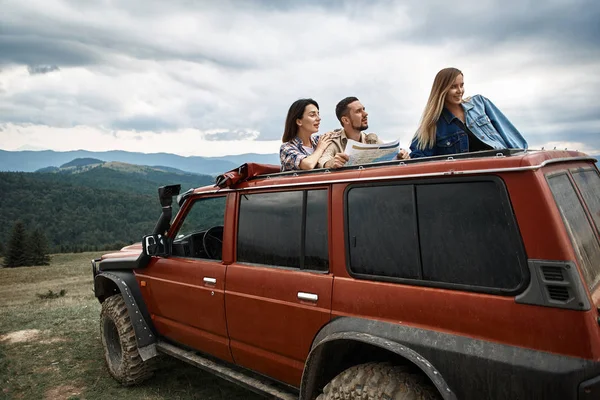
{"points": [[215, 78]]}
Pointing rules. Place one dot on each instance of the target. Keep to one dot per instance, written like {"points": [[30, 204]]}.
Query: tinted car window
{"points": [[270, 228], [468, 235], [382, 231], [578, 225], [285, 229], [453, 233], [589, 186]]}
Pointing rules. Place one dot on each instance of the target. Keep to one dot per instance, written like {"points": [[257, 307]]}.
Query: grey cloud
{"points": [[40, 40], [37, 50], [143, 123], [561, 23], [338, 6], [238, 134], [204, 115], [57, 109], [562, 114], [41, 69], [19, 116], [153, 7], [272, 129]]}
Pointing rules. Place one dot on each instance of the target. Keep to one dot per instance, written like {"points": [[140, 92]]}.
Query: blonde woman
{"points": [[451, 124]]}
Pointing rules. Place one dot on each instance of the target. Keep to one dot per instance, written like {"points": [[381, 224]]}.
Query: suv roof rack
{"points": [[252, 171], [476, 154]]}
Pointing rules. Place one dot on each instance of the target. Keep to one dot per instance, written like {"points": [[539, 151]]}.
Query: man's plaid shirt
{"points": [[292, 152]]}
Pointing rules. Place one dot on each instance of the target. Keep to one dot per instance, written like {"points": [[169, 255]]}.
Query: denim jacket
{"points": [[484, 120]]}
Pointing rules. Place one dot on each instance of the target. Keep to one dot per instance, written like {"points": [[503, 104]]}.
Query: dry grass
{"points": [[50, 348]]}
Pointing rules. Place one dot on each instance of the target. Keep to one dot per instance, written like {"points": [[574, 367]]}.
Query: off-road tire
{"points": [[379, 381], [120, 347]]}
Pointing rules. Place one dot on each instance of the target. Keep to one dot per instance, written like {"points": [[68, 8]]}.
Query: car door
{"points": [[278, 293], [186, 290]]}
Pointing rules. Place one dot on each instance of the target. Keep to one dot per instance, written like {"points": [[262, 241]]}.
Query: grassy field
{"points": [[50, 347]]}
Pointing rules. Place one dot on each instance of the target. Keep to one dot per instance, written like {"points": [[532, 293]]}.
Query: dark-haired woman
{"points": [[302, 146]]}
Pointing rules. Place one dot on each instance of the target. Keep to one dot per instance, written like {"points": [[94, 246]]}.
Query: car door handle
{"points": [[212, 281], [308, 296]]}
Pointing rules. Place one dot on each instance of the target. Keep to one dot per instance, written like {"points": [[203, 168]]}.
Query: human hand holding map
{"points": [[361, 153]]}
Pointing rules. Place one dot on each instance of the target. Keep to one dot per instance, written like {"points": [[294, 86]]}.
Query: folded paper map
{"points": [[361, 153]]}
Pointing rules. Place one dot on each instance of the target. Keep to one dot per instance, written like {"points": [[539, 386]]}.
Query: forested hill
{"points": [[122, 177], [88, 204]]}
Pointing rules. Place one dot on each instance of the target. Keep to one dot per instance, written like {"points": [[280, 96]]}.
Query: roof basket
{"points": [[243, 173]]}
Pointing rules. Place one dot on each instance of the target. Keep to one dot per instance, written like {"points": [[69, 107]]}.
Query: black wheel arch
{"points": [[107, 284], [346, 342]]}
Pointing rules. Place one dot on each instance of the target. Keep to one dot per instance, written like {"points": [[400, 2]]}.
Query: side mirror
{"points": [[156, 245]]}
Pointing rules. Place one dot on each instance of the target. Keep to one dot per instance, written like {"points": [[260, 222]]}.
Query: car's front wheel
{"points": [[378, 381], [120, 347]]}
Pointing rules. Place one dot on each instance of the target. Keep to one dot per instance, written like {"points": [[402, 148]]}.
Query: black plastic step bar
{"points": [[253, 383]]}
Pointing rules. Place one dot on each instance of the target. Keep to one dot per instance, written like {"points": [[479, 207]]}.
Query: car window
{"points": [[578, 226], [284, 229], [270, 228], [203, 215], [588, 182], [200, 235], [461, 233], [468, 235], [382, 231]]}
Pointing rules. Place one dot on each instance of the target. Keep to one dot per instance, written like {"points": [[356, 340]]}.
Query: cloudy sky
{"points": [[213, 78]]}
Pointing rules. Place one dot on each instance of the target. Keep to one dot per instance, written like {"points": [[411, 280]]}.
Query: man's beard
{"points": [[361, 127]]}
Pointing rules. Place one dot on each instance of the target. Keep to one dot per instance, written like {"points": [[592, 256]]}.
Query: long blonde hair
{"points": [[433, 110]]}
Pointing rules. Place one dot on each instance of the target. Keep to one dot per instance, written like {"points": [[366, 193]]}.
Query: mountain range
{"points": [[31, 161]]}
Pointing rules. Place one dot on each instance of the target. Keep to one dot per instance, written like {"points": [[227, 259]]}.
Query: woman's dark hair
{"points": [[295, 112]]}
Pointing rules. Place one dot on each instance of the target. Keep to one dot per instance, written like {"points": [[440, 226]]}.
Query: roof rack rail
{"points": [[460, 156], [251, 171]]}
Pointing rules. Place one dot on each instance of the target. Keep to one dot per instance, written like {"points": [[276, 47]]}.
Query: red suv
{"points": [[466, 277]]}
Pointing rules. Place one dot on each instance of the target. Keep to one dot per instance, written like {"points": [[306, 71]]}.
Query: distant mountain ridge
{"points": [[30, 161], [79, 162], [117, 175], [80, 165]]}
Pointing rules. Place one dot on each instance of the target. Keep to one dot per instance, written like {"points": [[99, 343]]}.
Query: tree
{"points": [[16, 254], [38, 248]]}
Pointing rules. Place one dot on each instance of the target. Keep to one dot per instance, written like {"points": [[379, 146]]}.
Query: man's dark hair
{"points": [[342, 107], [295, 112]]}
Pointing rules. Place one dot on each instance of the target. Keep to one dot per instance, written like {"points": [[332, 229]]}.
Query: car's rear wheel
{"points": [[379, 381], [120, 347]]}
